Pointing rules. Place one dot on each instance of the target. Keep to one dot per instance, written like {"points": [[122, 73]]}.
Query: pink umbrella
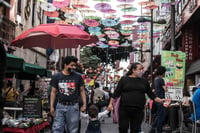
{"points": [[54, 36], [102, 6], [81, 6], [129, 16], [126, 1], [61, 4], [91, 22], [151, 7]]}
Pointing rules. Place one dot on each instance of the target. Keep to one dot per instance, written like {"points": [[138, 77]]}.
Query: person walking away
{"points": [[107, 98], [94, 119], [97, 96], [67, 86], [10, 94], [160, 90], [132, 89]]}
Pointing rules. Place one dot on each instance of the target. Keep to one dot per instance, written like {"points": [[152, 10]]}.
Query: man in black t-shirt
{"points": [[67, 87]]}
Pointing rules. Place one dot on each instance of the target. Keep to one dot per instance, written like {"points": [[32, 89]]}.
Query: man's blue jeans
{"points": [[67, 116], [160, 116]]}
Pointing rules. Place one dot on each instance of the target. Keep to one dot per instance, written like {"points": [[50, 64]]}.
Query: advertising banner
{"points": [[174, 61]]}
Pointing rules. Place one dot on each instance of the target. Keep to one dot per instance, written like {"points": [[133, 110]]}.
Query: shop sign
{"points": [[32, 107], [175, 74], [189, 43]]}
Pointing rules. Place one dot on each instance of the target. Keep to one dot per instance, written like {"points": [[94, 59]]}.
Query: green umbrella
{"points": [[130, 9]]}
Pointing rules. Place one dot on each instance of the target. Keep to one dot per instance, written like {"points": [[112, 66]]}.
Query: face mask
{"points": [[139, 74], [71, 70]]}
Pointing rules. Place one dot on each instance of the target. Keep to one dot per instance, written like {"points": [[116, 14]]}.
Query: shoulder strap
{"points": [[8, 91]]}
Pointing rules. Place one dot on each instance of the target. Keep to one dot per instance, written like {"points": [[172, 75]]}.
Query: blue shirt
{"points": [[196, 100]]}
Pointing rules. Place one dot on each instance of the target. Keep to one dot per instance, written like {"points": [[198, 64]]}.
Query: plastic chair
{"points": [[195, 123]]}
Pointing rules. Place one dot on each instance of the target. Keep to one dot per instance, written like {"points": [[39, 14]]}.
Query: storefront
{"points": [[30, 117]]}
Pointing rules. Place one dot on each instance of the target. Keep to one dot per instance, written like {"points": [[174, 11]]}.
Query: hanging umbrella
{"points": [[87, 11], [113, 43], [129, 16], [80, 6], [110, 32], [109, 28], [102, 0], [51, 14], [146, 3], [124, 5], [68, 9], [54, 36], [61, 4], [151, 7], [71, 16], [127, 22], [91, 22], [130, 9], [78, 1], [102, 6], [126, 1], [94, 29], [109, 22], [108, 11], [48, 7]]}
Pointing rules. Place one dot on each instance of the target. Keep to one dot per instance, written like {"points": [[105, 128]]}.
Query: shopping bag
{"points": [[116, 103]]}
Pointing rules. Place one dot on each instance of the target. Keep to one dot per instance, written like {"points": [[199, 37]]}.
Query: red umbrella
{"points": [[51, 14], [54, 36]]}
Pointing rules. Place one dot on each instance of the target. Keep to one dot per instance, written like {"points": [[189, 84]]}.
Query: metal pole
{"points": [[151, 60], [106, 74], [173, 25]]}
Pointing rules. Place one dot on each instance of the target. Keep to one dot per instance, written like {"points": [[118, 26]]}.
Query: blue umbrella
{"points": [[109, 22], [94, 29]]}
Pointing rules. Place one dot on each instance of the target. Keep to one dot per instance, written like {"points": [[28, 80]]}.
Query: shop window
{"points": [[19, 7]]}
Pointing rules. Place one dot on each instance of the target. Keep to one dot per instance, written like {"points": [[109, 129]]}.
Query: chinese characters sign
{"points": [[189, 43], [175, 74]]}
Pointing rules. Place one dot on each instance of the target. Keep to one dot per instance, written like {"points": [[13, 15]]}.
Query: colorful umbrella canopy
{"points": [[54, 36], [126, 1]]}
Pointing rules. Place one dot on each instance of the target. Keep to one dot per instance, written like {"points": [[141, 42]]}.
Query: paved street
{"points": [[107, 126]]}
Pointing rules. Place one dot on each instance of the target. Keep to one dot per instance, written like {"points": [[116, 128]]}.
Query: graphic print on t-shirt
{"points": [[67, 87]]}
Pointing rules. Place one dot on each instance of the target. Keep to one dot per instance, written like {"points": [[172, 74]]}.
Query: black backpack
{"points": [[94, 127]]}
